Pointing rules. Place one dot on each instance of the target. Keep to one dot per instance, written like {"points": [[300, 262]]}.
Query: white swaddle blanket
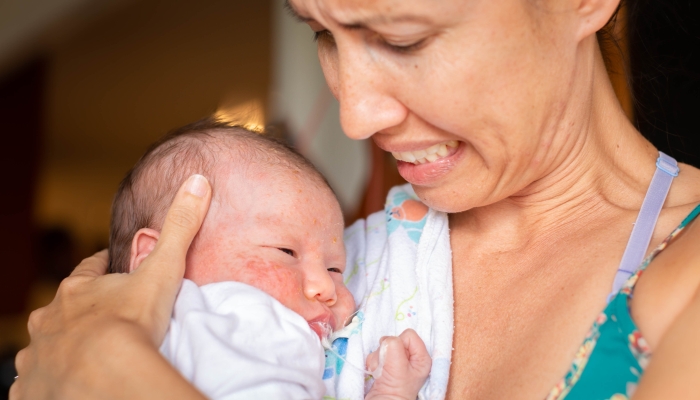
{"points": [[233, 341], [400, 272]]}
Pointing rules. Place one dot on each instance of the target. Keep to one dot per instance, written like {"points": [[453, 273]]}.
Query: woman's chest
{"points": [[520, 319]]}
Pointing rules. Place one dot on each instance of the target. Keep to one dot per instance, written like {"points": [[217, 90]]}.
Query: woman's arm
{"points": [[674, 369], [99, 337]]}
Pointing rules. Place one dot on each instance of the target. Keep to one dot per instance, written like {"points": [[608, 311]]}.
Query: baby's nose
{"points": [[319, 285]]}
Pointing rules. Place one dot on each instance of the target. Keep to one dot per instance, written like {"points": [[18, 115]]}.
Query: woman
{"points": [[546, 181]]}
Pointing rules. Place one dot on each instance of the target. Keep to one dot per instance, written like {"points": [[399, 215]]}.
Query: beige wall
{"points": [[300, 97], [117, 85]]}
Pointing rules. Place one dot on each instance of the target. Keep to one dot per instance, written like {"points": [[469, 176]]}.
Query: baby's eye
{"points": [[335, 270], [288, 251]]}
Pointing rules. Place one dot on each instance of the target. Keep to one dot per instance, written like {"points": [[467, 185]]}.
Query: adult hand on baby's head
{"points": [[101, 327], [401, 364]]}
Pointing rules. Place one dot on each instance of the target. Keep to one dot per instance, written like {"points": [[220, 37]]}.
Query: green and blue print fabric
{"points": [[399, 269]]}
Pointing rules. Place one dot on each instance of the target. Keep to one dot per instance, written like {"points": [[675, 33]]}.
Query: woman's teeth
{"points": [[431, 154]]}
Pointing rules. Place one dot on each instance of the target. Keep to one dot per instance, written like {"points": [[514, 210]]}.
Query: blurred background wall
{"points": [[126, 79], [86, 85]]}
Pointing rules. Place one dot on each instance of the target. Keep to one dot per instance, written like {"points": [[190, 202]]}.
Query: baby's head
{"points": [[274, 223]]}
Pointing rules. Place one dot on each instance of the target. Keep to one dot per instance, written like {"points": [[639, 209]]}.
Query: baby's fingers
{"points": [[417, 353], [414, 345], [372, 361], [391, 356]]}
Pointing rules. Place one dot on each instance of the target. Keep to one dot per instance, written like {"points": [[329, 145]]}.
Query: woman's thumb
{"points": [[181, 224]]}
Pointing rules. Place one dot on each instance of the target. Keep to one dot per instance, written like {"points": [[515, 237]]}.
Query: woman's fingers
{"points": [[93, 266], [160, 274], [184, 218], [110, 314]]}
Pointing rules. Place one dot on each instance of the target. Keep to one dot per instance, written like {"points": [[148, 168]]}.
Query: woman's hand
{"points": [[99, 337]]}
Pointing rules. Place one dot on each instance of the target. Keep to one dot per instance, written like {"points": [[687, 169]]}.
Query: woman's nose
{"points": [[365, 90], [319, 285]]}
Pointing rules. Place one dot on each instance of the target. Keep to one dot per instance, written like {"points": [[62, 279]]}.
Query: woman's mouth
{"points": [[421, 167], [428, 155]]}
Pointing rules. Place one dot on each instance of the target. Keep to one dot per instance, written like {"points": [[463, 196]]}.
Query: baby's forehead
{"points": [[277, 188]]}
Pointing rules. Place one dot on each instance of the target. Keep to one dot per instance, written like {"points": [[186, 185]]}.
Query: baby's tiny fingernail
{"points": [[197, 185]]}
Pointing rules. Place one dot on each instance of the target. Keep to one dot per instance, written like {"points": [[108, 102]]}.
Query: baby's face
{"points": [[282, 233]]}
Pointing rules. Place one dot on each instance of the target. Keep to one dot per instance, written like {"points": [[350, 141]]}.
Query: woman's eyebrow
{"points": [[384, 19], [379, 19]]}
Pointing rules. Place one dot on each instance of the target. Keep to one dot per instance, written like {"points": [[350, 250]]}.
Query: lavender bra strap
{"points": [[666, 170]]}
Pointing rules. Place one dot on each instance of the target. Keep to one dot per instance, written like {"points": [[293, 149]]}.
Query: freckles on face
{"points": [[491, 74], [282, 283]]}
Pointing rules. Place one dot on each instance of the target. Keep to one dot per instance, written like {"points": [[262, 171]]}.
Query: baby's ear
{"points": [[143, 244]]}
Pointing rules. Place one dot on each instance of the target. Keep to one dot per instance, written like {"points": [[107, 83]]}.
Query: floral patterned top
{"points": [[613, 356]]}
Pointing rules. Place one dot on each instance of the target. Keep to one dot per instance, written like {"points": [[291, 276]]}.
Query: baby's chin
{"points": [[320, 330], [324, 330]]}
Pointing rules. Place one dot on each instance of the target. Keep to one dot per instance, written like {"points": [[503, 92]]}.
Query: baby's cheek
{"points": [[344, 306], [282, 283]]}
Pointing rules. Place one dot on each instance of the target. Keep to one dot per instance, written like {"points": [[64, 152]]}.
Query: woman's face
{"points": [[480, 84]]}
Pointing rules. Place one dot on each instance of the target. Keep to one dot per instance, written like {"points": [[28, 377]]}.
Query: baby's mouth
{"points": [[322, 329], [323, 325]]}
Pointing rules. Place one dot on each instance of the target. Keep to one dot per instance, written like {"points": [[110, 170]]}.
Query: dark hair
{"points": [[656, 64], [609, 39], [146, 192]]}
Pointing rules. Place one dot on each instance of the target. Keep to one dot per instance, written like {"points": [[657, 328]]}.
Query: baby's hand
{"points": [[401, 365]]}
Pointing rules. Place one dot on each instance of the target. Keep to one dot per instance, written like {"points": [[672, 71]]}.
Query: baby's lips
{"points": [[322, 325]]}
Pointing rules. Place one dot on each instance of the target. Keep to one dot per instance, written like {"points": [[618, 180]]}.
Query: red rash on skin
{"points": [[281, 283], [256, 218]]}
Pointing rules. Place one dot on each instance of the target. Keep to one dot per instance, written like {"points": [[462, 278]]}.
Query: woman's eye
{"points": [[288, 251], [335, 270], [323, 35], [405, 48]]}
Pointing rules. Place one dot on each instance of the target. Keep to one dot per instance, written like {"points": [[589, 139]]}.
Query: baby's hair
{"points": [[145, 194]]}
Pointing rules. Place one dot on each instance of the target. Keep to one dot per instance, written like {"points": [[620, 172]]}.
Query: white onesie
{"points": [[232, 340]]}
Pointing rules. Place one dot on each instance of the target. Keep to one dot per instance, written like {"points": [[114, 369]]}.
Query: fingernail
{"points": [[196, 185]]}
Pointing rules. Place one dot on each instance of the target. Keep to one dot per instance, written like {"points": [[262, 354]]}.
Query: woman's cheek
{"points": [[328, 59]]}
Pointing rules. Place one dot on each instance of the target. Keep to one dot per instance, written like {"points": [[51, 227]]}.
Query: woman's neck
{"points": [[597, 163]]}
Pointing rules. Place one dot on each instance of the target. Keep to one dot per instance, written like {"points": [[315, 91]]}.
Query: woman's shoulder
{"points": [[680, 247], [682, 258], [672, 281], [684, 254]]}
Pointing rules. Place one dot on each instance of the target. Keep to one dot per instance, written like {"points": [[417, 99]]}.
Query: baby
{"points": [[264, 278]]}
